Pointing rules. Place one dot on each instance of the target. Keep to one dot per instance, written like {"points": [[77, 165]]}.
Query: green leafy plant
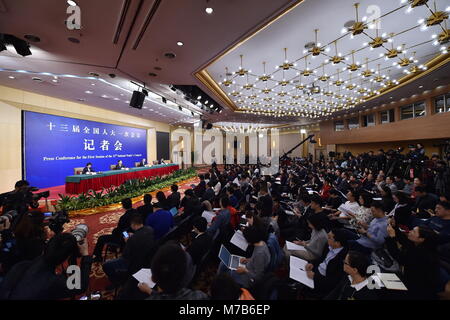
{"points": [[129, 189]]}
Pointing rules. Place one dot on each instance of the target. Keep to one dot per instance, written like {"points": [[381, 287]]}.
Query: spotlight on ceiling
{"points": [[209, 10], [71, 3]]}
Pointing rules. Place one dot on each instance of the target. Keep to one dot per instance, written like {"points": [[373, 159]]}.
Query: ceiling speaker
{"points": [[137, 100]]}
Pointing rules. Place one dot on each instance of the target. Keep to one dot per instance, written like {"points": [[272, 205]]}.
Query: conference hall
{"points": [[290, 153]]}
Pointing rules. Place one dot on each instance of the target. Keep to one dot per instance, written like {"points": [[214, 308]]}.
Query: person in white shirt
{"points": [[347, 210]]}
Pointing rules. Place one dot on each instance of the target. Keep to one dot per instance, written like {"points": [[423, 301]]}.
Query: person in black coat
{"points": [[199, 190], [147, 208], [142, 163], [328, 271], [174, 198], [387, 200], [402, 209], [209, 193], [88, 168], [419, 258], [424, 201], [116, 236], [137, 252], [119, 165], [355, 286], [202, 241], [37, 279]]}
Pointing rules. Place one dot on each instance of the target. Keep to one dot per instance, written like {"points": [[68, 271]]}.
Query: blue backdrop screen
{"points": [[54, 146]]}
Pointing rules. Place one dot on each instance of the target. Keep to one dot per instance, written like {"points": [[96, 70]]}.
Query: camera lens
{"points": [[80, 232]]}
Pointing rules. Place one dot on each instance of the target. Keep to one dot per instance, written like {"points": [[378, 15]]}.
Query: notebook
{"points": [[391, 281], [297, 271], [293, 246], [230, 260]]}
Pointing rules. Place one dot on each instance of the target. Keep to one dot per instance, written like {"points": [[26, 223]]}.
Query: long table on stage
{"points": [[84, 182]]}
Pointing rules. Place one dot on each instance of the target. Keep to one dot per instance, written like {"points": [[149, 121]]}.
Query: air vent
{"points": [[93, 74], [32, 38], [37, 79], [170, 55]]}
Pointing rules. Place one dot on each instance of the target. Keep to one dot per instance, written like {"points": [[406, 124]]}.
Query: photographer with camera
{"points": [[27, 239], [38, 279]]}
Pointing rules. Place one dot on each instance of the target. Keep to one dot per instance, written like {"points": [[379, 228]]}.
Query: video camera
{"points": [[22, 199], [56, 220]]}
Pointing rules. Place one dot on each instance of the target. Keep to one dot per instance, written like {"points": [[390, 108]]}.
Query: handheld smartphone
{"points": [[48, 214], [125, 234]]}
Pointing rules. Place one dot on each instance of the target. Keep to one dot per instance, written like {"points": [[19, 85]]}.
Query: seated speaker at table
{"points": [[142, 163], [88, 169], [119, 165]]}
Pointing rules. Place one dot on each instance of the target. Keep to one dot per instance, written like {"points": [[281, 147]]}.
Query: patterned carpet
{"points": [[104, 223]]}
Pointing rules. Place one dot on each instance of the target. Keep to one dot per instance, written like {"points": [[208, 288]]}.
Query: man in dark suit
{"points": [[116, 236], [137, 251], [143, 163], [174, 198], [328, 271], [424, 201], [119, 165], [147, 208], [199, 190], [202, 241], [209, 192], [88, 169]]}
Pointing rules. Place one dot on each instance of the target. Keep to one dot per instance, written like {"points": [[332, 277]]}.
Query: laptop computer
{"points": [[230, 260], [174, 211]]}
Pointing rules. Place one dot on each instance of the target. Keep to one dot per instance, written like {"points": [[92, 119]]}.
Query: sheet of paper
{"points": [[293, 246], [297, 272], [208, 216], [239, 241], [145, 276]]}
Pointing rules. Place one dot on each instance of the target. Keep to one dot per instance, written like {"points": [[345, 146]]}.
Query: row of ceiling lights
{"points": [[353, 101]]}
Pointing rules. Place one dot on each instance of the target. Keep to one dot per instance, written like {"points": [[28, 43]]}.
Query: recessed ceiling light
{"points": [[116, 99], [11, 77], [74, 40], [209, 10], [32, 38], [54, 80], [88, 92], [420, 87], [92, 84], [71, 3], [179, 43]]}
